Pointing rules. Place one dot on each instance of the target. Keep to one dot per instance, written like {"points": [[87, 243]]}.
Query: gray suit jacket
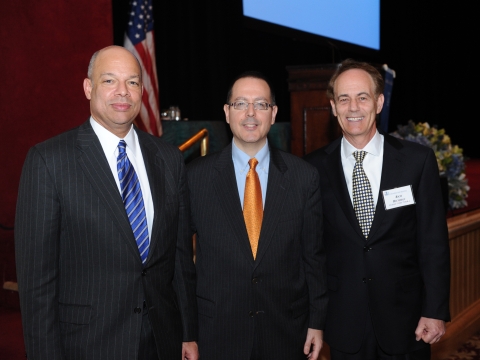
{"points": [[281, 293], [81, 281]]}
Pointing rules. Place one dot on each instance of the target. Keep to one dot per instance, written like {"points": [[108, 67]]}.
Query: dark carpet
{"points": [[11, 336], [469, 351]]}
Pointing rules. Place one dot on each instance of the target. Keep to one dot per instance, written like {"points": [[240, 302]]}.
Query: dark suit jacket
{"points": [[403, 271], [281, 293], [81, 280]]}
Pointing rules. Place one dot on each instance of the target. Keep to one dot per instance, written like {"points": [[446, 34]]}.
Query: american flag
{"points": [[140, 41]]}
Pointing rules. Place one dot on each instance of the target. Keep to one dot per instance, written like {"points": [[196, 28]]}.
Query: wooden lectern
{"points": [[312, 122]]}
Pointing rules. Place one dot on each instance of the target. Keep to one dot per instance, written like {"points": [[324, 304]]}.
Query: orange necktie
{"points": [[253, 206]]}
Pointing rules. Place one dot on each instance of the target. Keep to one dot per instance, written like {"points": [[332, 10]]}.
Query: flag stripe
{"points": [[146, 51], [140, 40]]}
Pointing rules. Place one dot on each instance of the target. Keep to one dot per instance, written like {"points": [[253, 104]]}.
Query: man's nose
{"points": [[353, 105], [122, 89], [250, 110]]}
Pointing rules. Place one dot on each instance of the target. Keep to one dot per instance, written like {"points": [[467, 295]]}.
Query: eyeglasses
{"points": [[243, 105]]}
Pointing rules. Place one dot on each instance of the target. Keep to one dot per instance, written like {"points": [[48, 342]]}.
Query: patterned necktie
{"points": [[362, 195], [133, 200], [253, 206]]}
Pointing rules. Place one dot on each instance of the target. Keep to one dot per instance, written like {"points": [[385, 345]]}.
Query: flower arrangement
{"points": [[449, 158]]}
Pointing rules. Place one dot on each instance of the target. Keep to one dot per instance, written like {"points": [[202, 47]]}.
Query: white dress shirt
{"points": [[109, 143], [240, 163], [372, 164]]}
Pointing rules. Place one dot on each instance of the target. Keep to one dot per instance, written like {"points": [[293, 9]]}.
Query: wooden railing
{"points": [[464, 235], [202, 137]]}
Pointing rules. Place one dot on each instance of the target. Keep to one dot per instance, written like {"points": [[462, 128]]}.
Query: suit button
{"points": [[137, 310], [256, 280], [144, 273], [367, 248], [251, 313], [364, 280]]}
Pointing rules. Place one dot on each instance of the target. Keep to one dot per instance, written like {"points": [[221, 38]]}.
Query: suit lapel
{"points": [[336, 176], [393, 164], [155, 167], [92, 161], [277, 188], [225, 184]]}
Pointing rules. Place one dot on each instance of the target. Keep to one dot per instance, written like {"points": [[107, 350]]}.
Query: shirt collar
{"points": [[262, 156], [110, 141], [374, 146]]}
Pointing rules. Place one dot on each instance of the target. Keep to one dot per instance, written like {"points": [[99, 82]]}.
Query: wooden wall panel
{"points": [[465, 267], [312, 123]]}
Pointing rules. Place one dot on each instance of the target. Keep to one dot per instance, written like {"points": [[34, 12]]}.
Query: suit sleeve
{"points": [[37, 233], [185, 276], [432, 242], [314, 254]]}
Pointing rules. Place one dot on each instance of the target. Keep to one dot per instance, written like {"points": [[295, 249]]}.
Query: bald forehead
{"points": [[116, 55], [115, 51]]}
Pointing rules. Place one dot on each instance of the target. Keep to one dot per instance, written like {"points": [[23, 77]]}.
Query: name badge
{"points": [[397, 197]]}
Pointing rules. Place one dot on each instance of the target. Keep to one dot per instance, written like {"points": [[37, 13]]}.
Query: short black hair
{"points": [[255, 75]]}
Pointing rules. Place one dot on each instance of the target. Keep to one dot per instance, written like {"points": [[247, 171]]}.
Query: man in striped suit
{"points": [[88, 289], [261, 279]]}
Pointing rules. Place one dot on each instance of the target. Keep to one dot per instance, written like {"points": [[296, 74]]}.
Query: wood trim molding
{"points": [[463, 223], [462, 327]]}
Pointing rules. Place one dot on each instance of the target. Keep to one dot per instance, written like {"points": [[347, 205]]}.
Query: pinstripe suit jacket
{"points": [[281, 293], [81, 281]]}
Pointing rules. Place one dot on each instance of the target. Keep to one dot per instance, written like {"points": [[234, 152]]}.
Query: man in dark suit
{"points": [[91, 285], [261, 287], [385, 232]]}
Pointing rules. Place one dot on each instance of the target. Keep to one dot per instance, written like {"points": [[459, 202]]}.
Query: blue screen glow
{"points": [[351, 21]]}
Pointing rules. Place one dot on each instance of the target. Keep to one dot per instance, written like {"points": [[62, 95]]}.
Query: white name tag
{"points": [[397, 197]]}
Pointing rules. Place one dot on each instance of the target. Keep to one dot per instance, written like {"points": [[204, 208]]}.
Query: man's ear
{"points": [[87, 88], [334, 111], [226, 110], [274, 114], [380, 101]]}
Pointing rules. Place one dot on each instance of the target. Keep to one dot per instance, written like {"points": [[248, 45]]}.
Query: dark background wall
{"points": [[430, 45], [201, 45]]}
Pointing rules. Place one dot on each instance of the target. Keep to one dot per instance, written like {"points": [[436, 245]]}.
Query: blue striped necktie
{"points": [[133, 200]]}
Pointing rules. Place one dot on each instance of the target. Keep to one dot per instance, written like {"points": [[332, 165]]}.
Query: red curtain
{"points": [[45, 48]]}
